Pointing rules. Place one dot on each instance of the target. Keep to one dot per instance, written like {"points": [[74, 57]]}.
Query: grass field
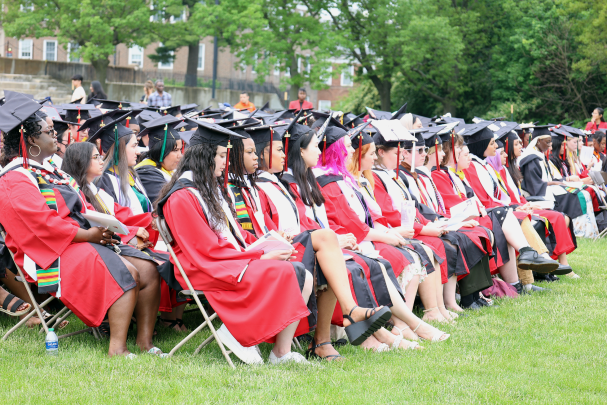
{"points": [[543, 348]]}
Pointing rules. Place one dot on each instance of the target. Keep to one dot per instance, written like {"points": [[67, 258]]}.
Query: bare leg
{"points": [[18, 289], [428, 294], [449, 295], [119, 315], [148, 301], [508, 271], [285, 336], [563, 259], [411, 291], [513, 232], [326, 301]]}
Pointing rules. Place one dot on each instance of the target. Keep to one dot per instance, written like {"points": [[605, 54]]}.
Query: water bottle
{"points": [[52, 343]]}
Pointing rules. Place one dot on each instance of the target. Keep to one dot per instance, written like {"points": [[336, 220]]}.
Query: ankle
{"points": [[279, 352]]}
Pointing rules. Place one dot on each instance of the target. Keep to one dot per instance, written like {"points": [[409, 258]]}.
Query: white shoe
{"points": [[572, 275], [289, 357], [248, 355]]}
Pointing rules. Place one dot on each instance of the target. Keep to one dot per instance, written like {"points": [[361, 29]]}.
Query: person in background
{"points": [[148, 89], [245, 103], [97, 92], [597, 121], [79, 93], [160, 98], [301, 102]]}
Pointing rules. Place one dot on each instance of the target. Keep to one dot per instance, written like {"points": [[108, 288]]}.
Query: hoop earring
{"points": [[39, 150]]}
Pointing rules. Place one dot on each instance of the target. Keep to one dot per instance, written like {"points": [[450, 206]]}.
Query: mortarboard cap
{"points": [[186, 108], [478, 132], [61, 126], [16, 110], [264, 133], [352, 121], [401, 111], [390, 133], [212, 134], [541, 131], [174, 110], [114, 105], [160, 133], [322, 117], [77, 112], [379, 115], [110, 134]]}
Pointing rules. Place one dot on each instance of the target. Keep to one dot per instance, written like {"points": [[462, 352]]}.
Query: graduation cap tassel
{"points": [[116, 146], [398, 159], [164, 143], [225, 174], [128, 121], [436, 153], [270, 150], [287, 136], [324, 149], [506, 152], [453, 149], [23, 148], [360, 152]]}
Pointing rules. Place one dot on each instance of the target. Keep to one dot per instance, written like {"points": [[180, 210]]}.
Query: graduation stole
{"points": [[242, 215], [461, 176]]}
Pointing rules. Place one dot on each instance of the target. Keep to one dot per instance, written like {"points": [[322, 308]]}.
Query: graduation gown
{"points": [[255, 308], [92, 276], [136, 198], [152, 178]]}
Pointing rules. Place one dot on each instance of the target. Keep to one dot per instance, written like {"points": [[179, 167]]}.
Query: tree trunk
{"points": [[296, 79], [191, 74], [100, 66], [449, 107], [384, 89]]}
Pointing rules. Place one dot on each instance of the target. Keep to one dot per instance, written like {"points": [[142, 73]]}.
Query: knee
{"points": [[326, 236]]}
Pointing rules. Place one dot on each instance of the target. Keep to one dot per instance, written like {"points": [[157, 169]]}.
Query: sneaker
{"points": [[287, 358], [573, 275], [248, 355], [534, 288]]}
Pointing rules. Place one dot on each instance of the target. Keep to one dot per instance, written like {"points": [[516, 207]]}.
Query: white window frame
{"points": [[329, 81], [347, 76], [44, 50], [31, 48], [136, 50], [201, 49], [324, 105], [69, 53], [162, 65], [182, 17]]}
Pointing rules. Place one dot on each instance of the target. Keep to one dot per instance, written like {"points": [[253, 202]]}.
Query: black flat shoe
{"points": [[553, 277], [358, 332], [542, 277], [473, 307], [562, 270]]}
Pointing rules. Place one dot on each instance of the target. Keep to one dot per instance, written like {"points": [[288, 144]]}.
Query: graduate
{"points": [[65, 256], [210, 245]]}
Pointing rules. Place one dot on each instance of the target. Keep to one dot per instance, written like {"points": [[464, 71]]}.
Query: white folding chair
{"points": [[167, 237], [58, 318]]}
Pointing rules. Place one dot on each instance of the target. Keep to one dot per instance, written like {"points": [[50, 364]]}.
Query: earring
{"points": [[39, 150]]}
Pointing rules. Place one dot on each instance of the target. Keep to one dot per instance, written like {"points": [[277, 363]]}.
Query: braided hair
{"points": [[12, 139]]}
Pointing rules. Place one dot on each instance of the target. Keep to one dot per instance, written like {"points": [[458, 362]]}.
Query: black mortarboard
{"points": [[175, 110], [16, 110], [541, 131], [95, 123], [146, 115], [401, 111], [352, 121], [573, 131], [77, 112], [51, 112], [442, 131], [114, 105], [559, 132], [238, 123], [110, 134], [360, 138], [213, 134], [418, 135], [186, 108], [160, 133], [478, 132], [264, 133], [61, 126], [390, 133], [322, 117], [379, 115], [503, 128], [266, 107], [279, 116]]}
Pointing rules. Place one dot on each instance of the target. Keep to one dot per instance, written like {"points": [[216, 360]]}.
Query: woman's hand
{"points": [[587, 180], [407, 233], [283, 255], [287, 236], [432, 230], [347, 241], [143, 234], [393, 239], [573, 178], [469, 224], [100, 236]]}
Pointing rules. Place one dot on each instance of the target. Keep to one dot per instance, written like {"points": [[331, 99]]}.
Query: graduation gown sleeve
{"points": [[445, 188], [341, 215], [152, 180], [532, 178], [387, 208], [478, 188]]}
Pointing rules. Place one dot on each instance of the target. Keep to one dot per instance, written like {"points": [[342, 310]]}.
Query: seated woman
{"points": [[561, 239], [599, 143], [454, 187], [471, 244], [299, 181], [543, 180], [211, 247], [55, 245]]}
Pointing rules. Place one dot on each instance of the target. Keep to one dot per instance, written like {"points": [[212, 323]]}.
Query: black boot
{"points": [[529, 259], [519, 288]]}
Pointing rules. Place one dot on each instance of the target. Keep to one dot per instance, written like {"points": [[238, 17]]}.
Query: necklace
{"points": [[47, 176]]}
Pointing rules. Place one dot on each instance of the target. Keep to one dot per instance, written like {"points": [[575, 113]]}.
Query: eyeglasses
{"points": [[97, 156], [420, 150]]}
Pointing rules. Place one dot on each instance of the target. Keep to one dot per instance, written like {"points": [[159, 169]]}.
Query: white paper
{"points": [[586, 154], [460, 213], [407, 214], [107, 221], [269, 242]]}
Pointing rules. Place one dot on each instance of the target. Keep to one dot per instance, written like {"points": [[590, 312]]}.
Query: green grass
{"points": [[544, 348]]}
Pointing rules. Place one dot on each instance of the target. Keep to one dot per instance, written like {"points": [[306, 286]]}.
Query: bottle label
{"points": [[52, 345]]}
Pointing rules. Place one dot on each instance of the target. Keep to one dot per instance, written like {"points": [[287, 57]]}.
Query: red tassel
{"points": [[586, 140], [287, 136], [506, 152], [225, 177], [397, 160], [436, 154], [324, 149], [360, 152], [128, 121], [23, 148], [271, 151]]}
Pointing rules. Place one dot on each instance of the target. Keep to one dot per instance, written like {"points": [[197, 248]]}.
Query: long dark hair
{"points": [[122, 166], [98, 90], [236, 167], [155, 151], [555, 155], [310, 192], [600, 111], [12, 138], [260, 148], [512, 167], [200, 160], [76, 163]]}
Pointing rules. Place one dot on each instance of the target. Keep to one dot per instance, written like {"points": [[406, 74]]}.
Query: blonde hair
{"points": [[148, 87], [353, 166]]}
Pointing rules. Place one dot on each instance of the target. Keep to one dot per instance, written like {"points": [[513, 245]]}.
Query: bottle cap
{"points": [[51, 329]]}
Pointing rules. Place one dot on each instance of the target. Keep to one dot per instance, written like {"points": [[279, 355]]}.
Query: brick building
{"points": [[48, 48]]}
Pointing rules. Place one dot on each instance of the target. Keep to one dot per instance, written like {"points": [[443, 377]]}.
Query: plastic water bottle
{"points": [[52, 343]]}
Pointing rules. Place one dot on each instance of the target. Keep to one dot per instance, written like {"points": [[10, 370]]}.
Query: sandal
{"points": [[340, 342], [444, 320], [104, 329], [375, 318], [13, 310], [171, 323], [400, 332], [438, 334], [399, 338], [48, 316], [311, 353]]}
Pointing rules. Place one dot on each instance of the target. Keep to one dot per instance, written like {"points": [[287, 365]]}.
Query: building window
{"points": [[72, 50], [50, 50], [136, 55], [165, 65], [200, 56], [329, 80], [324, 105], [347, 76], [26, 48]]}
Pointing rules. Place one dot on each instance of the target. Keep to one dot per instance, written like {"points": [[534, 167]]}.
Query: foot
{"points": [[8, 306], [563, 269], [359, 314], [404, 331], [157, 352], [473, 307], [430, 333], [371, 343], [174, 324], [573, 275], [454, 308], [325, 352], [433, 314], [448, 314], [291, 357], [396, 342]]}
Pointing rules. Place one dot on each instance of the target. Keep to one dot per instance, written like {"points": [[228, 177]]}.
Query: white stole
{"points": [[288, 219]]}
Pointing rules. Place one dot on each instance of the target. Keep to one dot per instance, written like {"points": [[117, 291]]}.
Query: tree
{"points": [[271, 35], [96, 26]]}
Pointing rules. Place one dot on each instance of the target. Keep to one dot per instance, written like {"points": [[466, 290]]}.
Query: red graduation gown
{"points": [[88, 288], [266, 300]]}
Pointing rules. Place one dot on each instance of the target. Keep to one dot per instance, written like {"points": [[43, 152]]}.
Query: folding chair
{"points": [[58, 318], [167, 237]]}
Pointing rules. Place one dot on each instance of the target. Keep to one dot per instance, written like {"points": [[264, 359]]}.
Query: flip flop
{"points": [[13, 309]]}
